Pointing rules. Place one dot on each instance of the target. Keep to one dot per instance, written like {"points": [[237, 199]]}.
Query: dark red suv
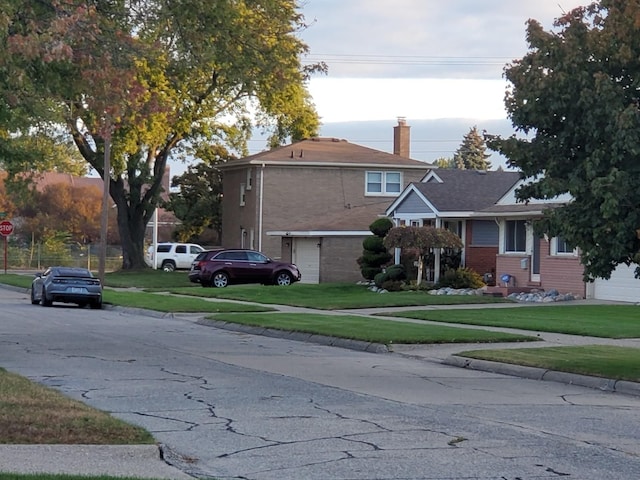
{"points": [[219, 268]]}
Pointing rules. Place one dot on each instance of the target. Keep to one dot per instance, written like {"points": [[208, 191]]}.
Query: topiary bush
{"points": [[461, 278], [394, 273], [375, 255]]}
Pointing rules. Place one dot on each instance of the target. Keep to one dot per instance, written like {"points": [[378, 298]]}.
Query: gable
{"points": [[412, 203]]}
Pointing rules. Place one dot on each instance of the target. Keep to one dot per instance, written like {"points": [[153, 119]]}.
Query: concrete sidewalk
{"points": [[139, 461]]}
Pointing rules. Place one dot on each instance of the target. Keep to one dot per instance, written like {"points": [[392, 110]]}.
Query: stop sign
{"points": [[6, 228]]}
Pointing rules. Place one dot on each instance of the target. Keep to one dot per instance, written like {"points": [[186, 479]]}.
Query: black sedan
{"points": [[66, 285]]}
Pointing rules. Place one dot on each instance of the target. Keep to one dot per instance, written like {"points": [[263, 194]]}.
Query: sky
{"points": [[437, 63]]}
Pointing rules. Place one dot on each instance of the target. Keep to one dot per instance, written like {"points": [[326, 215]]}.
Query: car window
{"points": [[164, 248], [232, 256], [195, 249], [181, 249], [256, 257]]}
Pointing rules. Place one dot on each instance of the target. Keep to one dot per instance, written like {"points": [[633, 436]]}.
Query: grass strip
{"points": [[33, 414], [620, 363], [333, 296], [606, 321], [368, 329], [177, 304]]}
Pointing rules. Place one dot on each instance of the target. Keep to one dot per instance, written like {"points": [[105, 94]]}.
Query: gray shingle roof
{"points": [[467, 190]]}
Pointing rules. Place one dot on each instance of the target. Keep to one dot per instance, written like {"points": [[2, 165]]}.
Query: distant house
{"points": [[311, 202], [450, 198], [166, 219]]}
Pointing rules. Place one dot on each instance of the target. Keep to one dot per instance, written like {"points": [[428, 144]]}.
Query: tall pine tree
{"points": [[472, 153]]}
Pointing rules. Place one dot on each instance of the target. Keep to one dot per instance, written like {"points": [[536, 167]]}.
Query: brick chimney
{"points": [[402, 138]]}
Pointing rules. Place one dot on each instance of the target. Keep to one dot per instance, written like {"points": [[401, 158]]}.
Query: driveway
{"points": [[233, 405]]}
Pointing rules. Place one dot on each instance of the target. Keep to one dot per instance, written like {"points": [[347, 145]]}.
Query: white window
{"points": [[383, 183], [515, 236], [249, 183], [243, 194], [560, 247]]}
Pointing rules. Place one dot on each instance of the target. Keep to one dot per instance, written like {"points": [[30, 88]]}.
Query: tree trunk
{"points": [[132, 219]]}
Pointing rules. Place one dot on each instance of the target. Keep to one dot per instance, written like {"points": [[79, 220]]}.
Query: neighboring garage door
{"points": [[306, 255], [622, 286]]}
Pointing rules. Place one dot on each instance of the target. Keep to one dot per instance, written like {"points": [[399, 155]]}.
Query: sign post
{"points": [[6, 229]]}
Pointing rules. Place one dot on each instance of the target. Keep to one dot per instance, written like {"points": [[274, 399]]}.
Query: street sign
{"points": [[6, 228]]}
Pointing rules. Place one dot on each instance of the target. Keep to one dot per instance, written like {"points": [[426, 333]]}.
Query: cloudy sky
{"points": [[426, 60]]}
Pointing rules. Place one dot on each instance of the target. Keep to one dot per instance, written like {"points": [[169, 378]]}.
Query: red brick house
{"points": [[311, 202]]}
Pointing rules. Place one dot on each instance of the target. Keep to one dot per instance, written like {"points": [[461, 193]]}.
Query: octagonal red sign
{"points": [[6, 228]]}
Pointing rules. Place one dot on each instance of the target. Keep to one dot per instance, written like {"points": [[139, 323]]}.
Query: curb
{"points": [[298, 336], [535, 373]]}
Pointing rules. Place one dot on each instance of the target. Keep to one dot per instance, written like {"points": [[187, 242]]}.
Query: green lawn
{"points": [[370, 329], [607, 321], [176, 304], [333, 296], [619, 363]]}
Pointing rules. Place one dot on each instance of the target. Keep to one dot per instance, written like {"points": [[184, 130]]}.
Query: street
{"points": [[229, 405]]}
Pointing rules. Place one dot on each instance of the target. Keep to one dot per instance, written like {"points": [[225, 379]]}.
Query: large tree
{"points": [[148, 77], [198, 200], [576, 96], [472, 152]]}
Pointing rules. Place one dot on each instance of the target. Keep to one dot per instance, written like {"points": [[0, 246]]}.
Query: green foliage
{"points": [[472, 153], [381, 226], [393, 276], [443, 162], [144, 81], [375, 254], [374, 244], [198, 202], [575, 95], [461, 278]]}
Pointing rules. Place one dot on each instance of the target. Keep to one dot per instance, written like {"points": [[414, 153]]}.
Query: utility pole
{"points": [[106, 178]]}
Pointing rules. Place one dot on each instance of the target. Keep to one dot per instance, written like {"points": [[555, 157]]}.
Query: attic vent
{"points": [[315, 139], [335, 139], [481, 172]]}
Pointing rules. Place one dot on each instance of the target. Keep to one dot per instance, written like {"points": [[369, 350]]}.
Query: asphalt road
{"points": [[230, 405]]}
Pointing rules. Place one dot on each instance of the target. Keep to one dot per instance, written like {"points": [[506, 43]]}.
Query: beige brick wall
{"points": [[338, 259], [293, 195]]}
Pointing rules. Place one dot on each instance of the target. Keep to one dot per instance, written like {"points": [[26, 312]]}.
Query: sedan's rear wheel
{"points": [[34, 301], [43, 300], [96, 305], [220, 280], [283, 279]]}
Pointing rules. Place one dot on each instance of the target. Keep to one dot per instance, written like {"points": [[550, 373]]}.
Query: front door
{"points": [[535, 260]]}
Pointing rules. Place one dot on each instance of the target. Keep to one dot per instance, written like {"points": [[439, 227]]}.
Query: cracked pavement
{"points": [[230, 405]]}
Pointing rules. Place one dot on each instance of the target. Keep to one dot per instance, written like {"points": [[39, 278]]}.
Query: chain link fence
{"points": [[39, 257]]}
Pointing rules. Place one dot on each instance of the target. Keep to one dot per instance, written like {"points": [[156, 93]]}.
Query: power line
{"points": [[418, 60]]}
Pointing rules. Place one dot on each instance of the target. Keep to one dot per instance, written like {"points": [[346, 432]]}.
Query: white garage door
{"points": [[306, 255], [622, 286]]}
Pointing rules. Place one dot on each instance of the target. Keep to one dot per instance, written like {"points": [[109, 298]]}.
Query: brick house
{"points": [[498, 235], [450, 198], [311, 202], [533, 261]]}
